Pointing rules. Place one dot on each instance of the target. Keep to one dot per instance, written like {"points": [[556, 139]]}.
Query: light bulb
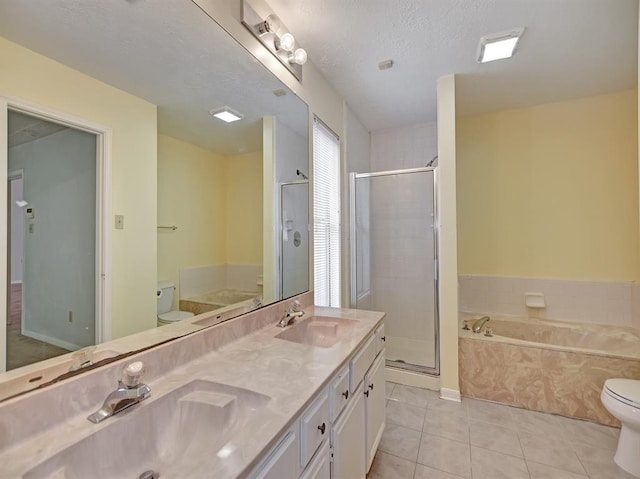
{"points": [[299, 57], [287, 42], [274, 25]]}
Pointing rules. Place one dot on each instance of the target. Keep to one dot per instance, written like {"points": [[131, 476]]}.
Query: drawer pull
{"points": [[346, 394], [371, 386], [384, 338], [322, 428]]}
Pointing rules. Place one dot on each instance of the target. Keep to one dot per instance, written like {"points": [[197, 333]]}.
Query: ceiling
{"points": [[24, 129], [570, 49], [170, 53], [167, 52]]}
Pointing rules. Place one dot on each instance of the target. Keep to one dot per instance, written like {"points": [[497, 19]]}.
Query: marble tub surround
{"points": [[564, 375], [242, 353], [601, 302]]}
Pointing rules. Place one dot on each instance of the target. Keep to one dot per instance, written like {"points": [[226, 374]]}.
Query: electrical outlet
{"points": [[119, 222]]}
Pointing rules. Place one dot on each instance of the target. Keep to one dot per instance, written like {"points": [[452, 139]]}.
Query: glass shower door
{"points": [[394, 262]]}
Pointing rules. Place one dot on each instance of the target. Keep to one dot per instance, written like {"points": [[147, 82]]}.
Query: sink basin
{"points": [[318, 331], [167, 435]]}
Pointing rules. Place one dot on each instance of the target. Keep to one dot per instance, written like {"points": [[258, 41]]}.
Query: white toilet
{"points": [[621, 397], [165, 298]]}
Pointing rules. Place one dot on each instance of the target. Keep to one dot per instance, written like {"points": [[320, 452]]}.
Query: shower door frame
{"points": [[353, 293]]}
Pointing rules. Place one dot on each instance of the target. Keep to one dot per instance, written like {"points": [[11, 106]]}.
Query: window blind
{"points": [[326, 215]]}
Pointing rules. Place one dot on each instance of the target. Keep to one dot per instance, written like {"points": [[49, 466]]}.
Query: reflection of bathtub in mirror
{"points": [[214, 300]]}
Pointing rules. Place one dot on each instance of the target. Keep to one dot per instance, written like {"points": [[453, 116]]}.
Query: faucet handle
{"points": [[296, 307], [132, 374]]}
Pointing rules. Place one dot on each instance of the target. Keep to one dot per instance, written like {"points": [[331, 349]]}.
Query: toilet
{"points": [[165, 298], [621, 397]]}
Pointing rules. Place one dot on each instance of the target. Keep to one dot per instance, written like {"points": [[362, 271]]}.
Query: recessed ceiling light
{"points": [[498, 45], [226, 114]]}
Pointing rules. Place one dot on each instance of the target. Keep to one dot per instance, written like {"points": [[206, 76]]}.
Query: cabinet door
{"points": [[282, 462], [347, 440], [374, 406], [320, 465]]}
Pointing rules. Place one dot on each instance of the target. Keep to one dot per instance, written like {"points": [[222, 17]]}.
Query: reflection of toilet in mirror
{"points": [[165, 299], [621, 397]]}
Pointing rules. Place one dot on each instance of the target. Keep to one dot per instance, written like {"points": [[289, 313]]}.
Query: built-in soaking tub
{"points": [[549, 366], [215, 300]]}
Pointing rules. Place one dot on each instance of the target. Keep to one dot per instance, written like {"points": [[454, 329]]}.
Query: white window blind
{"points": [[326, 215]]}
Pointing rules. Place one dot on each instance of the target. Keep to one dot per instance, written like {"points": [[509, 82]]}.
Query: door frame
{"points": [[103, 284], [11, 176]]}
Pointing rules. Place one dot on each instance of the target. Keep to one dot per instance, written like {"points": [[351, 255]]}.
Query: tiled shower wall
{"points": [[614, 303]]}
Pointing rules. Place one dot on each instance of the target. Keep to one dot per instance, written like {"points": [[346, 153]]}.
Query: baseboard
{"points": [[450, 395], [53, 341], [410, 378]]}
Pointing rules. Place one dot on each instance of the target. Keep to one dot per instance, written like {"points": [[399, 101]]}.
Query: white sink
{"points": [[318, 331], [166, 435]]}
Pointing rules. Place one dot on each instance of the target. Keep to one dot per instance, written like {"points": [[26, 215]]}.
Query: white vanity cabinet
{"points": [[348, 440], [337, 435], [374, 385], [282, 461]]}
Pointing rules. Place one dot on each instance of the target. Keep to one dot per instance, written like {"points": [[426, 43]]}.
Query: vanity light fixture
{"points": [[227, 114], [272, 33], [498, 46]]}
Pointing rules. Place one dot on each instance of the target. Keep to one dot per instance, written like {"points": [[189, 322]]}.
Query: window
{"points": [[326, 215]]}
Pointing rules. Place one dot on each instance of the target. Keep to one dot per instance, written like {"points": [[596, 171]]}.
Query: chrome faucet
{"points": [[477, 326], [291, 314], [130, 391]]}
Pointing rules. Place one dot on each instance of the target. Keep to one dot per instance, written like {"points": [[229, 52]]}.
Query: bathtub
{"points": [[215, 300], [549, 366]]}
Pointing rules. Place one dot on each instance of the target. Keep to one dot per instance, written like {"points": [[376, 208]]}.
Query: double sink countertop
{"points": [[215, 416]]}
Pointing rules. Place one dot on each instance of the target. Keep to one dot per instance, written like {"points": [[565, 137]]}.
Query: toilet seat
{"points": [[626, 391], [174, 316]]}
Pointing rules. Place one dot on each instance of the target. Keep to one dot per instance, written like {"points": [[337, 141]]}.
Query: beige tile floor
{"points": [[429, 438]]}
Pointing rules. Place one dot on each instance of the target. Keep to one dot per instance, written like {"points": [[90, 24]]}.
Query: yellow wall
{"points": [[191, 195], [216, 203], [551, 191], [244, 208], [447, 251], [41, 81]]}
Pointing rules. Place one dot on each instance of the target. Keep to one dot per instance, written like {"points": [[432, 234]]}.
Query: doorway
{"points": [[55, 283]]}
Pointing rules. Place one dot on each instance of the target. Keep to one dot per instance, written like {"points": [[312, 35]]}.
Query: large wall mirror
{"points": [[129, 204]]}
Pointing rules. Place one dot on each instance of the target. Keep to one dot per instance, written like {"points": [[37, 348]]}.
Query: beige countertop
{"points": [[289, 373]]}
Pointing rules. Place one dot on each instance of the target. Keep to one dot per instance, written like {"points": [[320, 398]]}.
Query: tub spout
{"points": [[477, 326]]}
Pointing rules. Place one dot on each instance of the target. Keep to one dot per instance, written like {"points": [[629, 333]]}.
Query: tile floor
{"points": [[429, 438]]}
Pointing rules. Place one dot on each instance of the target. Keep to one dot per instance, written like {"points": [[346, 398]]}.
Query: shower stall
{"points": [[394, 264]]}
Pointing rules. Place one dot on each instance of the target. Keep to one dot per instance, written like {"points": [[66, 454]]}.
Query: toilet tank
{"points": [[165, 296]]}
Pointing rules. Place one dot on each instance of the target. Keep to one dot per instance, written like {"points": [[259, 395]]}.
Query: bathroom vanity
{"points": [[243, 398]]}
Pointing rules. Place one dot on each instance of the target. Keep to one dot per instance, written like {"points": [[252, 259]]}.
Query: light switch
{"points": [[119, 222]]}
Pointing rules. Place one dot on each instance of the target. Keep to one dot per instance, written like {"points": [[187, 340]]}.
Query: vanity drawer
{"points": [[339, 393], [361, 362], [381, 338], [314, 427]]}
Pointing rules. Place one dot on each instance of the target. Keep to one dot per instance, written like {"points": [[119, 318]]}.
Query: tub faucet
{"points": [[291, 314], [130, 391], [477, 326]]}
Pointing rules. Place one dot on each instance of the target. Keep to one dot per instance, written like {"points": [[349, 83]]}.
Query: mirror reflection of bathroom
{"points": [[51, 239]]}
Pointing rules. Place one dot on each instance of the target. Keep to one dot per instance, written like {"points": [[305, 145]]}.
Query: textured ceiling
{"points": [[24, 129], [571, 48], [168, 52]]}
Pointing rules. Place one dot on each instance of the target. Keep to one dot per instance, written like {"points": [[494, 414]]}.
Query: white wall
{"points": [[405, 147], [17, 225], [59, 255]]}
